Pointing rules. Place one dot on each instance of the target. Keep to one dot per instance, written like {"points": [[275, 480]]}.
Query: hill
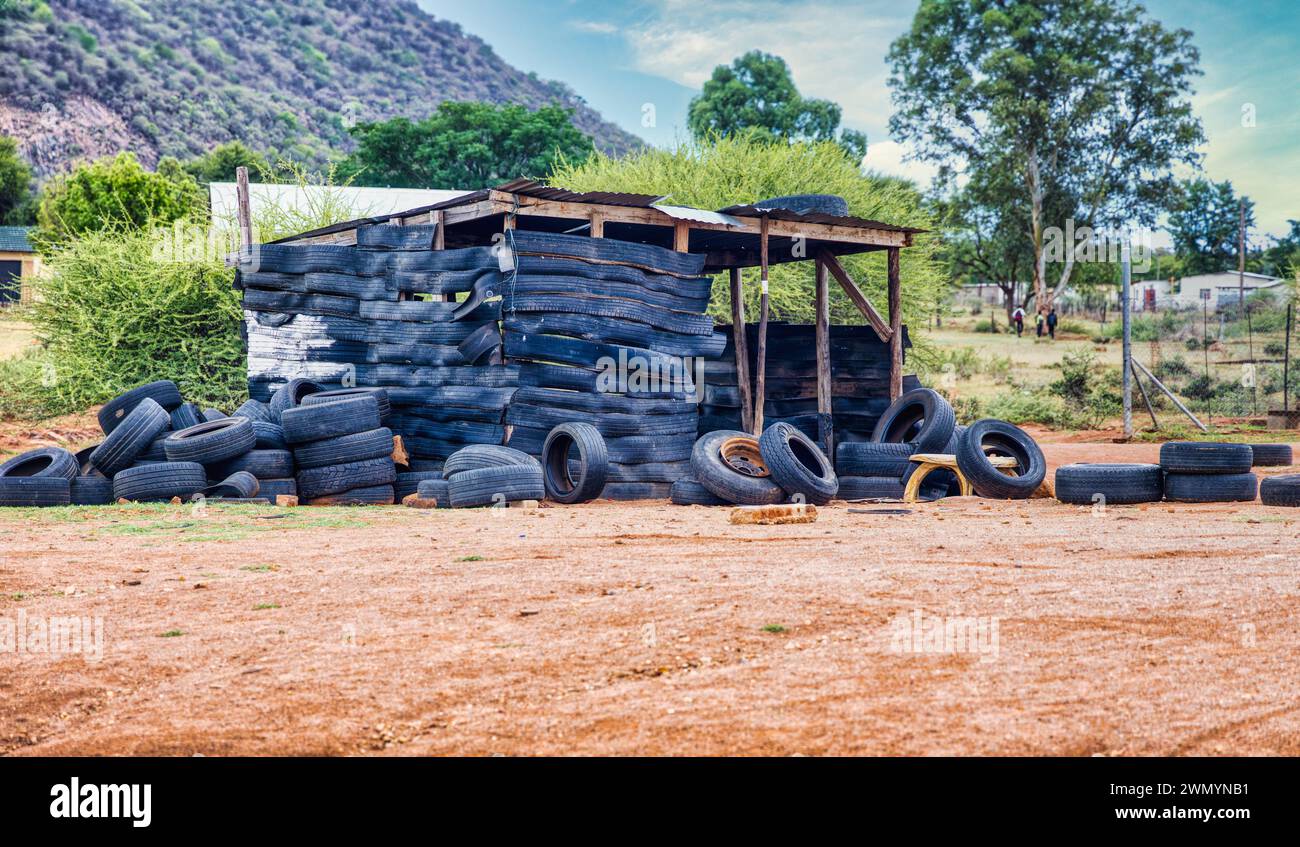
{"points": [[87, 78]]}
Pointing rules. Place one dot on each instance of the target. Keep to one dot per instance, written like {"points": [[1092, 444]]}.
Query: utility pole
{"points": [[1241, 256], [1126, 292]]}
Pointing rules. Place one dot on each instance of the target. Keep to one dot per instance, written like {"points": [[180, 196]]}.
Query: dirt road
{"points": [[658, 629]]}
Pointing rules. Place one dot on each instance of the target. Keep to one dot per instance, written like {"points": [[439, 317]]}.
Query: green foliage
{"points": [[1203, 223], [119, 308], [15, 183], [465, 145], [742, 170], [219, 163], [756, 95], [113, 193]]}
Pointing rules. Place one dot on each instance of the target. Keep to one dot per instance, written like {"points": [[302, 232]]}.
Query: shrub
{"points": [[115, 310], [986, 326]]}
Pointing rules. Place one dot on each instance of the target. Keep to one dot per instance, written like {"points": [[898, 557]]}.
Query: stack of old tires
{"points": [[1189, 472], [342, 451], [600, 330], [730, 466], [922, 421], [345, 316]]}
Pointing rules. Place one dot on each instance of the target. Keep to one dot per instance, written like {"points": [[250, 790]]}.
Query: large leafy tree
{"points": [[756, 95], [1085, 103], [1204, 223], [15, 182], [464, 145], [219, 163], [112, 193]]}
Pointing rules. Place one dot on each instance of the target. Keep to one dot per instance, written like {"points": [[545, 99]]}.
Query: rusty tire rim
{"points": [[742, 456]]}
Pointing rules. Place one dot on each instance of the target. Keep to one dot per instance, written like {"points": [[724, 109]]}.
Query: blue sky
{"points": [[621, 56]]}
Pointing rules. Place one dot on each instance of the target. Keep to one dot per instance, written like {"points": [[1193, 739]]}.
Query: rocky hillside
{"points": [[87, 78]]}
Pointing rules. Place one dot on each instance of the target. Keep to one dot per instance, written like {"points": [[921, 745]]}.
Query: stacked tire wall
{"points": [[859, 380], [346, 316], [606, 332]]}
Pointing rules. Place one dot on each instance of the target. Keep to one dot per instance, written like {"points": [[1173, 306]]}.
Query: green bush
{"points": [[742, 170], [121, 307], [987, 326], [1030, 406]]}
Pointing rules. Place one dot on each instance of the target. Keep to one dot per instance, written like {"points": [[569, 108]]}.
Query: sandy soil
{"points": [[655, 629]]}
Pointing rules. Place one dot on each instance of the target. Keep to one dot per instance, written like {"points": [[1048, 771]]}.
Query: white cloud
{"points": [[889, 158], [833, 52], [595, 27]]}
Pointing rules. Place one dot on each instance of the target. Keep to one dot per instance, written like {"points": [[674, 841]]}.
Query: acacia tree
{"points": [[1083, 102], [756, 96]]}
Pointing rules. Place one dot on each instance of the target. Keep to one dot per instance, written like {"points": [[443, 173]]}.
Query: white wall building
{"points": [[1200, 290]]}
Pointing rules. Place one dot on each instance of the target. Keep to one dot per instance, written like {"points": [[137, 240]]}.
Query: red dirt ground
{"points": [[656, 629]]}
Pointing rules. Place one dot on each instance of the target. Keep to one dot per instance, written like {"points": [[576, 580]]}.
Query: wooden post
{"points": [[597, 225], [439, 232], [740, 341], [681, 236], [243, 209], [855, 294], [760, 384], [895, 326], [823, 331]]}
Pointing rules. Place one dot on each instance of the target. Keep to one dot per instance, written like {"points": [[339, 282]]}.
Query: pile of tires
{"points": [[342, 452], [347, 317], [1208, 472], [599, 330], [919, 421], [734, 467], [487, 475]]}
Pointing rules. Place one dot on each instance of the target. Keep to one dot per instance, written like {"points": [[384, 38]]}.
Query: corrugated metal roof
{"points": [[748, 211], [13, 239], [533, 188]]}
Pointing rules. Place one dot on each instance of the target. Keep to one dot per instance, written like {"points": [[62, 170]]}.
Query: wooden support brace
{"points": [[760, 383], [681, 236], [823, 340], [883, 330], [597, 225]]}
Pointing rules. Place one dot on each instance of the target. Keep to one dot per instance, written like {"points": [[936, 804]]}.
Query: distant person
{"points": [[1051, 323], [1038, 324], [1018, 318]]}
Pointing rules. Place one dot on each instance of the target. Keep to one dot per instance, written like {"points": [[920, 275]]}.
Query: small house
{"points": [[19, 264]]}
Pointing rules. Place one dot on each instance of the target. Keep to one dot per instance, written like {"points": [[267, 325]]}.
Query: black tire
{"points": [[1271, 455], [157, 451], [47, 461], [291, 393], [1211, 488], [436, 489], [872, 458], [480, 344], [160, 481], [186, 415], [870, 488], [355, 447], [346, 285], [656, 259], [991, 436], [380, 395], [688, 492], [330, 420], [263, 464], [649, 472], [269, 436], [609, 308], [35, 491], [807, 204], [601, 403], [479, 456], [163, 392], [592, 463], [610, 424], [335, 479], [742, 487], [920, 417], [91, 490], [211, 442], [503, 484], [797, 464], [624, 491], [373, 495], [1206, 457], [390, 237], [407, 310], [214, 415], [83, 460], [240, 484], [130, 437], [1280, 490], [1115, 483], [255, 410], [408, 482], [272, 488]]}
